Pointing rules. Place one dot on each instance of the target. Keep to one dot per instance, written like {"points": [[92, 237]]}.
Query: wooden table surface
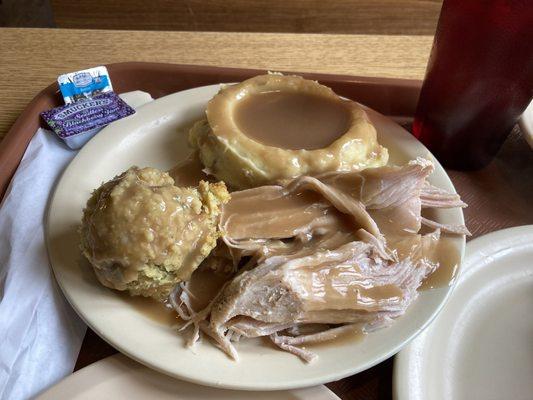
{"points": [[30, 59]]}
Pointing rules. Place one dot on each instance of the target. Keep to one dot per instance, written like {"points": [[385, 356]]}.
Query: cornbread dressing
{"points": [[143, 234]]}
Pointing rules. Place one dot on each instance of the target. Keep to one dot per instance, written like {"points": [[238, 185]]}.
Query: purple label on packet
{"points": [[86, 114]]}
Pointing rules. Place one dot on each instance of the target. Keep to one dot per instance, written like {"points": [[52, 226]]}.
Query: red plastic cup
{"points": [[478, 82]]}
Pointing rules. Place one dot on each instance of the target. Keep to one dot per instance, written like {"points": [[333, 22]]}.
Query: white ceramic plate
{"points": [[481, 344], [117, 377], [155, 137]]}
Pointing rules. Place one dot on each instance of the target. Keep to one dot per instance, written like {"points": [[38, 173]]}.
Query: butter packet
{"points": [[78, 122], [83, 84]]}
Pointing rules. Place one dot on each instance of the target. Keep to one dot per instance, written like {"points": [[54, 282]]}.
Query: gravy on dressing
{"points": [[292, 120]]}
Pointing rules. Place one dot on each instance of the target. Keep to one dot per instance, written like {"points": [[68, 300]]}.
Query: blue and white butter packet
{"points": [[84, 84]]}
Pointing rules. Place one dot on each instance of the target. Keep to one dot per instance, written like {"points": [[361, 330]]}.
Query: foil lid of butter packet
{"points": [[83, 84], [77, 122]]}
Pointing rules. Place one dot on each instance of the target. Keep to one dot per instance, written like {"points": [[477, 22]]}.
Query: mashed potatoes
{"points": [[273, 127], [143, 234]]}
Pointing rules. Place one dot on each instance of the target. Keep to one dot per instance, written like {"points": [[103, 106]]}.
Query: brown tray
{"points": [[389, 96], [498, 195]]}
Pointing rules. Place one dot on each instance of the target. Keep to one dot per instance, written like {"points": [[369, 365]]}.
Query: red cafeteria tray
{"points": [[497, 195]]}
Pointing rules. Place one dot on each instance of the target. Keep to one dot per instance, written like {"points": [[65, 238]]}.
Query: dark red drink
{"points": [[479, 80]]}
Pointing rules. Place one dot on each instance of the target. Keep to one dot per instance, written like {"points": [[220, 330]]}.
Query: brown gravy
{"points": [[292, 120], [448, 258], [268, 213], [189, 171], [342, 338], [381, 292], [204, 286]]}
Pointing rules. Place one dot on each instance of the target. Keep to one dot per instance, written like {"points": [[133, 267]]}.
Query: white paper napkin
{"points": [[40, 334]]}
